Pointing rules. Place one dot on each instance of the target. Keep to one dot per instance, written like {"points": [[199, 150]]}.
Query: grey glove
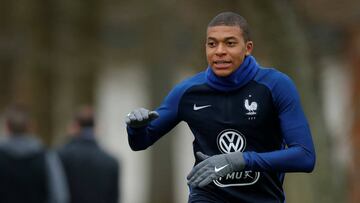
{"points": [[140, 117], [214, 167]]}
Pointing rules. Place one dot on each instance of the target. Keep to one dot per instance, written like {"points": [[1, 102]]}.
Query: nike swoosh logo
{"points": [[196, 108], [221, 168]]}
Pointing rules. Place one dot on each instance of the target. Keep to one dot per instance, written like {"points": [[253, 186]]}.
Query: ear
{"points": [[249, 46], [6, 127], [73, 128], [31, 126]]}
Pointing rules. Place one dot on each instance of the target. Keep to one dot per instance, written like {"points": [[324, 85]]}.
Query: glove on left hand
{"points": [[214, 167], [140, 117]]}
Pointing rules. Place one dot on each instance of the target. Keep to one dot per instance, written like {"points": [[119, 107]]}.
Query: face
{"points": [[226, 49], [73, 128]]}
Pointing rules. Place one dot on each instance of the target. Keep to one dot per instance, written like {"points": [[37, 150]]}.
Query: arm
{"points": [[57, 183], [299, 156], [142, 136]]}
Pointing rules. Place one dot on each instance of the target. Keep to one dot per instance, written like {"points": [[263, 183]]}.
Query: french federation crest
{"points": [[251, 108]]}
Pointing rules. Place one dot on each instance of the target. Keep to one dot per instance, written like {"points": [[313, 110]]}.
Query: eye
{"points": [[231, 43], [211, 44]]}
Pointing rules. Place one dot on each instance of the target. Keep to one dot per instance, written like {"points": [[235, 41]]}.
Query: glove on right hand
{"points": [[212, 167], [140, 117]]}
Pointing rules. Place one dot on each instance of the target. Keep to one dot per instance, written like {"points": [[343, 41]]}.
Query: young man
{"points": [[247, 121], [28, 173], [92, 173]]}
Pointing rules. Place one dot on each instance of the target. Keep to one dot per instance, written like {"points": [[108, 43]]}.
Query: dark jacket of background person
{"points": [[28, 172], [22, 171], [92, 174]]}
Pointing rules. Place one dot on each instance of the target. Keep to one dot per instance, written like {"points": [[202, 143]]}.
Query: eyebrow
{"points": [[225, 39]]}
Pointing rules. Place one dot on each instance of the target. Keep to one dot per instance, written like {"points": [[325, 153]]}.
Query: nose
{"points": [[220, 49]]}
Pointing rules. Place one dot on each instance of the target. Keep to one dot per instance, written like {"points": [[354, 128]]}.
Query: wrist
{"points": [[237, 160], [136, 130]]}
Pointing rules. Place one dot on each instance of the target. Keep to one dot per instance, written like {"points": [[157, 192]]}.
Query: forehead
{"points": [[223, 31]]}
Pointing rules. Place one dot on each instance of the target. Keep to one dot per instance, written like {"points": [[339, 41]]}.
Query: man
{"points": [[92, 174], [247, 121], [27, 172]]}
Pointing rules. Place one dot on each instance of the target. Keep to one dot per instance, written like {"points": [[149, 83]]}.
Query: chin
{"points": [[222, 73]]}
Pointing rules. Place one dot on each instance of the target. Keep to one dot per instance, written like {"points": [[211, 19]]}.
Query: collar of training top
{"points": [[237, 79]]}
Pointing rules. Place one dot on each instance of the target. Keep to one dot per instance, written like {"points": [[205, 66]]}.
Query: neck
{"points": [[240, 77], [87, 132]]}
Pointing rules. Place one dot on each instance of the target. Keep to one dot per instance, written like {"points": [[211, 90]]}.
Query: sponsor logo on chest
{"points": [[229, 141]]}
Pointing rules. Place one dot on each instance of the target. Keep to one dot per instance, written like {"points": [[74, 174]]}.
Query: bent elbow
{"points": [[309, 163], [138, 139], [137, 148]]}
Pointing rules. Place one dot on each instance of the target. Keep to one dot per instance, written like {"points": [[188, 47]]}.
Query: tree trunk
{"points": [[354, 60]]}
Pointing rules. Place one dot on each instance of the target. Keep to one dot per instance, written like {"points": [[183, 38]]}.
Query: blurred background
{"points": [[119, 55]]}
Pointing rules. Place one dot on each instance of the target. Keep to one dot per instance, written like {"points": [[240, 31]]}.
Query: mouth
{"points": [[221, 64]]}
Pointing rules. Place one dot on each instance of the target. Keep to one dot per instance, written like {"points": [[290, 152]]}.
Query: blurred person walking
{"points": [[28, 172], [92, 174]]}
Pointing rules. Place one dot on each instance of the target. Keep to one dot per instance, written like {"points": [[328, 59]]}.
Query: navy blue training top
{"points": [[254, 110]]}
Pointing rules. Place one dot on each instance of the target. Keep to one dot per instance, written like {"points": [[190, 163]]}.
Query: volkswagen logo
{"points": [[228, 141], [231, 140]]}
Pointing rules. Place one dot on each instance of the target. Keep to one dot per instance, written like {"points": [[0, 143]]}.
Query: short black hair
{"points": [[17, 119], [229, 18], [85, 117]]}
